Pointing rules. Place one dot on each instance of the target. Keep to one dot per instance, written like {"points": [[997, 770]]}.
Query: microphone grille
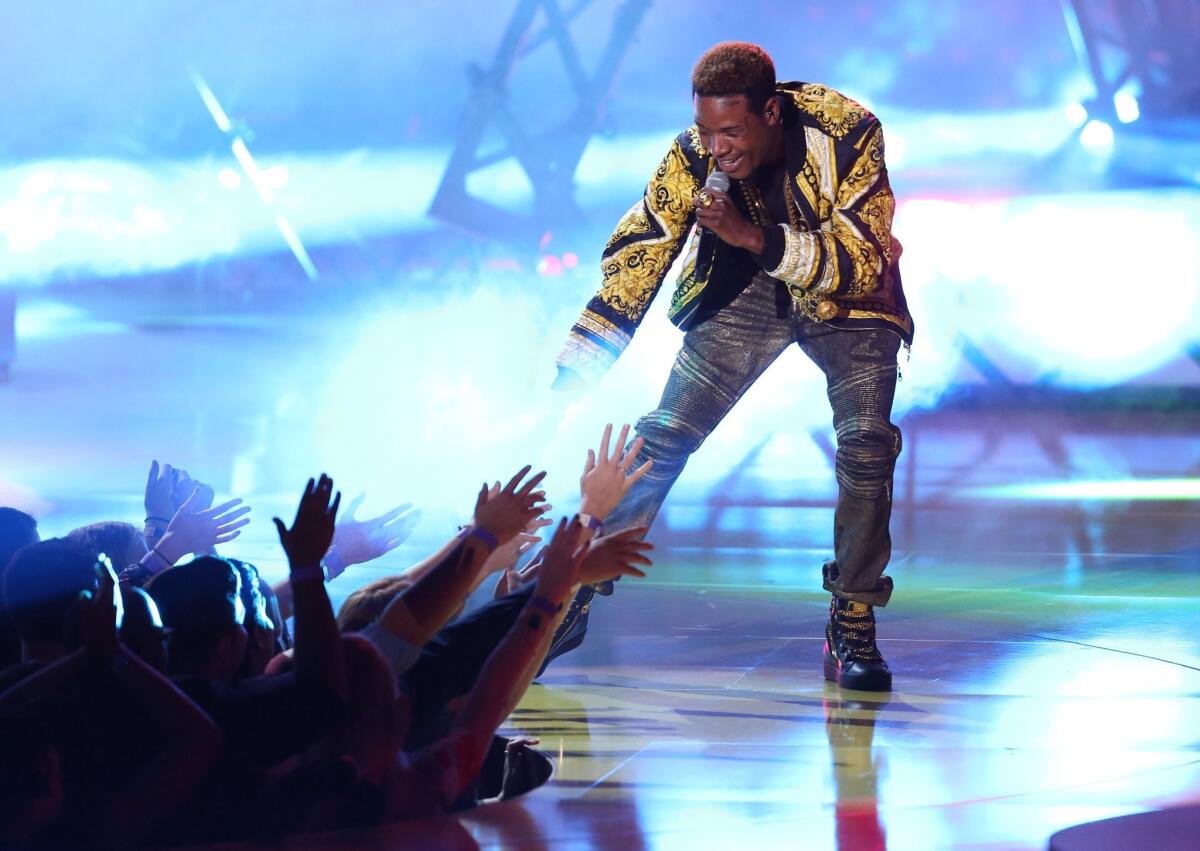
{"points": [[719, 181]]}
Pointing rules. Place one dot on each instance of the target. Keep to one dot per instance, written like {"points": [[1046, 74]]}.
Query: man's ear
{"points": [[773, 111]]}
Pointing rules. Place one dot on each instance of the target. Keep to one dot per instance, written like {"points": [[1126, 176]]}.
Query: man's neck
{"points": [[777, 149]]}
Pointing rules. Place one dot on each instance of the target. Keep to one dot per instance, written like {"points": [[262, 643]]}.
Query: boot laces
{"points": [[854, 629]]}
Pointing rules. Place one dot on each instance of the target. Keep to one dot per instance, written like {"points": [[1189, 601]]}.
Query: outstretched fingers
{"points": [[631, 455], [354, 505], [638, 473], [525, 492], [515, 480], [603, 455], [382, 519], [619, 445]]}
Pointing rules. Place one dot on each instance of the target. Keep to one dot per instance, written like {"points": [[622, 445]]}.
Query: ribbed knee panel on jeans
{"points": [[868, 443]]}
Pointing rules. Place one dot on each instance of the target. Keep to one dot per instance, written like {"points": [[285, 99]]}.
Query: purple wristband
{"points": [[303, 574], [489, 540]]}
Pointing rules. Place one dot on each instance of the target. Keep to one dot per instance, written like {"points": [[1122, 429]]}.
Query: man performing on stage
{"points": [[799, 249]]}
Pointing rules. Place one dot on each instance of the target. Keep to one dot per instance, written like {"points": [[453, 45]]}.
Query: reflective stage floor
{"points": [[696, 716]]}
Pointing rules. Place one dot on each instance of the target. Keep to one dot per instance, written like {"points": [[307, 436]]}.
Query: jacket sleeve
{"points": [[635, 261], [852, 247]]}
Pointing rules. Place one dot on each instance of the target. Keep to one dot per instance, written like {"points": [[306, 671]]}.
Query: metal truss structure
{"points": [[548, 157], [1149, 43]]}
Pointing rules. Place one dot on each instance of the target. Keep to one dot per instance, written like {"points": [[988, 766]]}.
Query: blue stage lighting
{"points": [[1096, 136]]}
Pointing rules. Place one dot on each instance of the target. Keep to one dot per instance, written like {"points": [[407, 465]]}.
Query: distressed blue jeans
{"points": [[721, 358]]}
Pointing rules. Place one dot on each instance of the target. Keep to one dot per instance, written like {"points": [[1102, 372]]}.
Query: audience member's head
{"points": [[260, 630], [142, 629], [364, 605], [17, 529], [41, 592], [283, 640], [201, 605], [121, 542], [375, 717]]}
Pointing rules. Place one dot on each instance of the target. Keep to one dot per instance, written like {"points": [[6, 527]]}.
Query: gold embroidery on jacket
{"points": [[865, 174], [602, 329], [877, 212], [823, 161], [864, 179], [632, 273], [634, 221], [865, 268], [901, 320], [835, 112]]}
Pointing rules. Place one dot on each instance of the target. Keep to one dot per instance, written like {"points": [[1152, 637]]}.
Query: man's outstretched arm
{"points": [[635, 261]]}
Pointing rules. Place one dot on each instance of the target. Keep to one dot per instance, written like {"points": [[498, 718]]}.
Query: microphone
{"points": [[719, 181], [707, 246]]}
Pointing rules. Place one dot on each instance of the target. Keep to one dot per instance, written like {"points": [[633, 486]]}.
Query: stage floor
{"points": [[696, 716]]}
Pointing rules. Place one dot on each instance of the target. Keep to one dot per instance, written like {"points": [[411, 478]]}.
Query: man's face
{"points": [[738, 137]]}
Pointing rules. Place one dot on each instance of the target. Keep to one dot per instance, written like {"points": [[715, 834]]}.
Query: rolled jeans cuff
{"points": [[877, 596]]}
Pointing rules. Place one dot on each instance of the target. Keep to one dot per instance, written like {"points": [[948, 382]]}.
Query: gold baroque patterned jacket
{"points": [[840, 263]]}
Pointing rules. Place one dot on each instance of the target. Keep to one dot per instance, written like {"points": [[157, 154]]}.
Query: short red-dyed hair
{"points": [[735, 68]]}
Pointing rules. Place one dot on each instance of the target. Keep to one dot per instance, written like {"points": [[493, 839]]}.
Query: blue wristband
{"points": [[334, 566]]}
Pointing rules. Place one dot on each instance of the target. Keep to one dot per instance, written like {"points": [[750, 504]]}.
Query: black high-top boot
{"points": [[851, 658]]}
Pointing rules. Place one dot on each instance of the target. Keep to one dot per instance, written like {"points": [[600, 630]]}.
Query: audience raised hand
{"points": [[193, 528], [360, 541], [459, 687], [505, 514], [607, 477], [318, 652], [445, 579], [167, 489], [613, 556], [505, 559]]}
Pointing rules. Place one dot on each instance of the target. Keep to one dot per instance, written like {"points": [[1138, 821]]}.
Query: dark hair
{"points": [[253, 598], [200, 602], [42, 585], [17, 529], [735, 68], [142, 629], [111, 537], [364, 605]]}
